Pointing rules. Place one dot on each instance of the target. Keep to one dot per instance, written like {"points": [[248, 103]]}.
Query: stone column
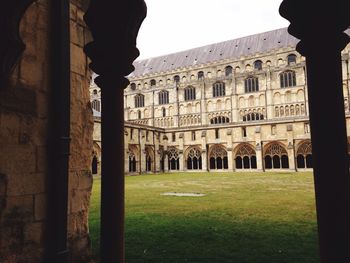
{"points": [[181, 160], [229, 157], [204, 160], [107, 48], [142, 152], [291, 156], [322, 39], [259, 156], [126, 159]]}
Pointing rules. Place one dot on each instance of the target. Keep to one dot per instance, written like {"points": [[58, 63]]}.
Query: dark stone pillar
{"points": [[114, 26], [320, 27]]}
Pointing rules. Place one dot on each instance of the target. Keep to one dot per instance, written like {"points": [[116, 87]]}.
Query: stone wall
{"points": [[24, 120]]}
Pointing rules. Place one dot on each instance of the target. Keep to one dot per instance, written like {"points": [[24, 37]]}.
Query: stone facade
{"points": [[214, 109], [24, 119]]}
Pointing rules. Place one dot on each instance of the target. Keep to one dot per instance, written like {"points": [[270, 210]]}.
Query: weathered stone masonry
{"points": [[24, 117]]}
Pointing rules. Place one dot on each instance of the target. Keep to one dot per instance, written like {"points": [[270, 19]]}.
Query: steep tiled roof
{"points": [[231, 49]]}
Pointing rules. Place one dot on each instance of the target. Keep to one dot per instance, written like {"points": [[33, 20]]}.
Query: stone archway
{"points": [[149, 151], [193, 158], [304, 155], [275, 156], [245, 157], [218, 157], [133, 158]]}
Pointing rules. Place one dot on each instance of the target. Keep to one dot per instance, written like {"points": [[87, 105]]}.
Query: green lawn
{"points": [[244, 217]]}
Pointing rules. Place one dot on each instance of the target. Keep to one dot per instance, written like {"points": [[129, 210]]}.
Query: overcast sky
{"points": [[175, 25]]}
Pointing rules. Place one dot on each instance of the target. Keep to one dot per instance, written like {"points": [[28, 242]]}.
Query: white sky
{"points": [[175, 25]]}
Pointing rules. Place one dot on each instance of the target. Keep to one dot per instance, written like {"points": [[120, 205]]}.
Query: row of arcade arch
{"points": [[275, 156]]}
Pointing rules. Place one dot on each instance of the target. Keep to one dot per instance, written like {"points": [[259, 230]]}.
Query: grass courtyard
{"points": [[243, 217]]}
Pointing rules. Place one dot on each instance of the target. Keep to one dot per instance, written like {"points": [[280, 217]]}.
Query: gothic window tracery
{"points": [[190, 93], [194, 159], [245, 157], [219, 120], [149, 158], [219, 89], [288, 79], [173, 159], [304, 155], [96, 105], [251, 84], [276, 157], [254, 116], [163, 97], [132, 161], [218, 157], [139, 100]]}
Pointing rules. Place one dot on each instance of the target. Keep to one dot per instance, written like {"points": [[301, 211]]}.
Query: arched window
{"points": [[218, 89], [194, 159], [173, 159], [139, 100], [139, 114], [219, 120], [228, 71], [200, 75], [190, 93], [96, 105], [177, 79], [254, 116], [218, 157], [149, 159], [276, 157], [94, 165], [132, 86], [251, 84], [304, 155], [292, 59], [153, 82], [245, 157], [163, 97], [258, 65], [95, 92], [288, 79], [163, 112], [132, 162]]}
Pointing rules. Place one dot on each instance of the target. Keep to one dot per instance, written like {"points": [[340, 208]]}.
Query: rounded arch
{"points": [[193, 158], [275, 156], [245, 156], [218, 157]]}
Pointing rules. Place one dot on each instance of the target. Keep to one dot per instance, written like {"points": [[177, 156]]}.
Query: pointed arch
{"points": [[218, 157], [245, 156], [275, 156], [193, 158]]}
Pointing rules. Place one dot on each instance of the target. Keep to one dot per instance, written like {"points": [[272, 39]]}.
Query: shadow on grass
{"points": [[163, 239]]}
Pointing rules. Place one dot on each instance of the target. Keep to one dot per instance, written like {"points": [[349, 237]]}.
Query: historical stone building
{"points": [[239, 105]]}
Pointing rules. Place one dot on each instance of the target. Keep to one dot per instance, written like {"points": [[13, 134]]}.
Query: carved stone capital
{"points": [[114, 26]]}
